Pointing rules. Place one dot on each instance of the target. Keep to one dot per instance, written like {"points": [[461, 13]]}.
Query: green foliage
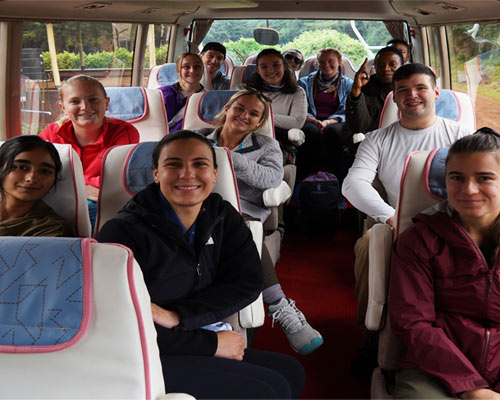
{"points": [[121, 58], [243, 48], [311, 41]]}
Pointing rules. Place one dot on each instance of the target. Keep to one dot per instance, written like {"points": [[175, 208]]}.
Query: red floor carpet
{"points": [[318, 274]]}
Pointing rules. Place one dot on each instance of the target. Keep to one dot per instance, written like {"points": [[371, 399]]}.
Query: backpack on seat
{"points": [[318, 198]]}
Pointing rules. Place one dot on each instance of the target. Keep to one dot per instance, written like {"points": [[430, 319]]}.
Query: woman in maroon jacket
{"points": [[445, 282]]}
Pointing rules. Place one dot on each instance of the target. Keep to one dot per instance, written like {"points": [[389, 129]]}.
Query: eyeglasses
{"points": [[297, 60], [259, 94]]}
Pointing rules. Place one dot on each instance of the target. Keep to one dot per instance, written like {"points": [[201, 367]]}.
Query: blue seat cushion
{"points": [[139, 168], [45, 288], [167, 74], [126, 103], [447, 105], [435, 175], [212, 102]]}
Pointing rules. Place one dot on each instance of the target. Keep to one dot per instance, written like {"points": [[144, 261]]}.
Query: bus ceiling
{"points": [[417, 13]]}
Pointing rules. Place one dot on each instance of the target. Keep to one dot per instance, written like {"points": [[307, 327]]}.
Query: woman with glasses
{"points": [[274, 78], [257, 161], [294, 59], [327, 90], [189, 67]]}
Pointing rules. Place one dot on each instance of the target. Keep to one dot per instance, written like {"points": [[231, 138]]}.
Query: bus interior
{"points": [[120, 43]]}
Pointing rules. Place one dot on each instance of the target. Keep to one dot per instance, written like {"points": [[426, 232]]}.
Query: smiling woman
{"points": [[29, 169], [200, 265], [84, 102], [444, 287], [189, 67]]}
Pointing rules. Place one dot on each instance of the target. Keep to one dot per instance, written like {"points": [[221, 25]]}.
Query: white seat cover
{"points": [[143, 108], [116, 356]]}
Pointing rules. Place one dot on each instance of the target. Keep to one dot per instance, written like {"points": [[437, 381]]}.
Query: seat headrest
{"points": [[45, 293], [247, 74], [167, 74], [138, 168], [435, 174], [447, 105], [127, 103], [212, 102]]}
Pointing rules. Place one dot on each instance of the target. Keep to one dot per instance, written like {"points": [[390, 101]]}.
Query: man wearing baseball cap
{"points": [[213, 55]]}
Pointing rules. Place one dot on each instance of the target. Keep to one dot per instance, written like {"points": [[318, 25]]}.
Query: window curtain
{"points": [[397, 29], [201, 28]]}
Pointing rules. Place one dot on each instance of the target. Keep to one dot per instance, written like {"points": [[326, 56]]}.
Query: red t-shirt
{"points": [[114, 132]]}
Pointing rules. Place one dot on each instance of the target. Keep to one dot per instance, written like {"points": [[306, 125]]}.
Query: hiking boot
{"points": [[302, 337]]}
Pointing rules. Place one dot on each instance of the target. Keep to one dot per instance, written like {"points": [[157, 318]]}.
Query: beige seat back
{"points": [[420, 189], [143, 108], [86, 333]]}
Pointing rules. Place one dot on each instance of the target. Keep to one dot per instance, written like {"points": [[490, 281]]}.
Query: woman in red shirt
{"points": [[84, 125]]}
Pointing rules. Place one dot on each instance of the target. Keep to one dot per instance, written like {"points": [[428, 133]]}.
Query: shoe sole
{"points": [[309, 348]]}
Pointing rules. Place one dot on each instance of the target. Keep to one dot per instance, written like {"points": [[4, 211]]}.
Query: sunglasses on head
{"points": [[259, 94], [297, 60]]}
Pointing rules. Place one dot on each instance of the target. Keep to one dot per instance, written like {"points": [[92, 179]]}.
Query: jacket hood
{"points": [[374, 87]]}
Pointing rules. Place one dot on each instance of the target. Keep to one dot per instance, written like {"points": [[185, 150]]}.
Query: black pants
{"points": [[321, 151], [261, 375]]}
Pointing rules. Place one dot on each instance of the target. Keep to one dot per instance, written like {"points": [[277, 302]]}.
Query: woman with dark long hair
{"points": [[445, 287], [29, 169]]}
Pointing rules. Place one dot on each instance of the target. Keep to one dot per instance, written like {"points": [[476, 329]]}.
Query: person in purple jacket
{"points": [[190, 70], [445, 282]]}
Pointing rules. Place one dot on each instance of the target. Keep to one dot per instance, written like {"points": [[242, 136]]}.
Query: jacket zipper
{"points": [[484, 354]]}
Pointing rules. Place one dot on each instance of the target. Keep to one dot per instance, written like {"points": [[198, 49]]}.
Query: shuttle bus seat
{"points": [[422, 186], [82, 327], [250, 59], [347, 67], [200, 111], [69, 197], [143, 108], [227, 66], [166, 74], [453, 105], [241, 75], [310, 65], [132, 163]]}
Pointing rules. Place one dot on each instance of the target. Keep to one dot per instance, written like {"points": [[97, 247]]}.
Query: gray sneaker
{"points": [[302, 337]]}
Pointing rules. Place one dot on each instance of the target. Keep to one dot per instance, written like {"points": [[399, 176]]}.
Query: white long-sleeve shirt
{"points": [[382, 154]]}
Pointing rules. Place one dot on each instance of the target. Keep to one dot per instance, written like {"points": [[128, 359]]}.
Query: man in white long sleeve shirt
{"points": [[382, 154]]}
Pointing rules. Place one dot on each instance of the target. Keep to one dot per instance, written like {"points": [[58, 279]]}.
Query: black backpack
{"points": [[317, 197]]}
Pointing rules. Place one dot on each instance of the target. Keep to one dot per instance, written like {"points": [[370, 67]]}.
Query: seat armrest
{"points": [[273, 197], [252, 316], [379, 256]]}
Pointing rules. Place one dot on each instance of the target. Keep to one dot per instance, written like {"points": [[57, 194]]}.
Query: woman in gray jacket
{"points": [[257, 161]]}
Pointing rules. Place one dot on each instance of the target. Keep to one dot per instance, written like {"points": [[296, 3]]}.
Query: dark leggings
{"points": [[261, 375], [320, 151]]}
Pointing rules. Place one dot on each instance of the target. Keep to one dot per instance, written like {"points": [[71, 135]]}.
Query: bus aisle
{"points": [[317, 272]]}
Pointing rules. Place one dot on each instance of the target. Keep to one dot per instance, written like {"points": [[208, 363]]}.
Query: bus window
{"points": [[355, 39], [101, 49], [434, 58], [475, 67], [156, 48]]}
